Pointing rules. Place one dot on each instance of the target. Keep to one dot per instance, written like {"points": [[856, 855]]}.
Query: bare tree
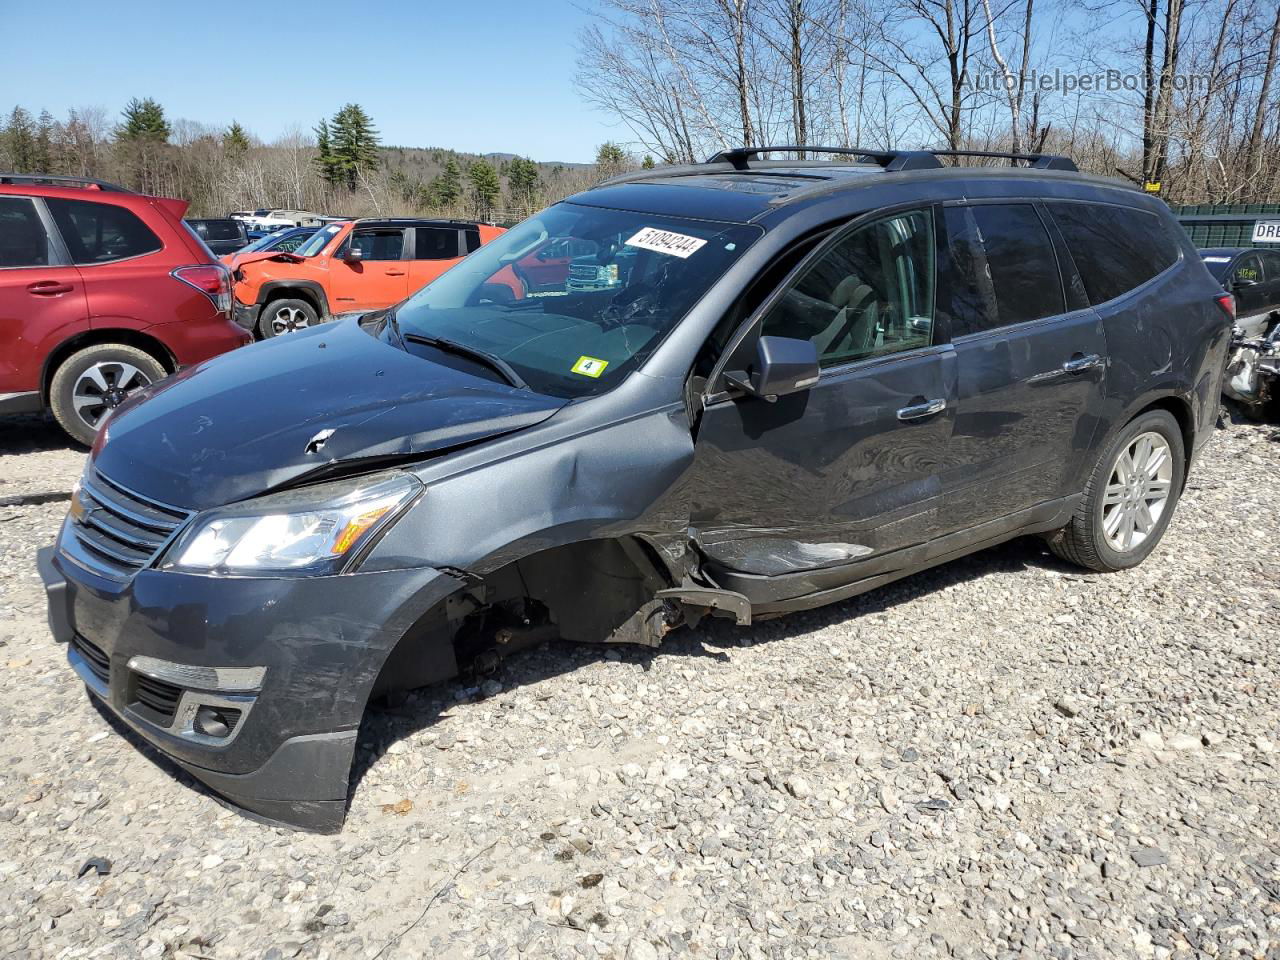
{"points": [[1253, 151]]}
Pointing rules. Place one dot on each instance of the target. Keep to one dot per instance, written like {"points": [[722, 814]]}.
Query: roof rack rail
{"points": [[889, 159], [893, 160], [1039, 161], [54, 180]]}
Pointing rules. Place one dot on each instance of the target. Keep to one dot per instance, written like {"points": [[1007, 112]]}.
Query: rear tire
{"points": [[92, 381], [1129, 499], [286, 316]]}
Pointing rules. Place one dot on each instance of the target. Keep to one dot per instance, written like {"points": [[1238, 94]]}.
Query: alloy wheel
{"points": [[1137, 492], [287, 320], [103, 387]]}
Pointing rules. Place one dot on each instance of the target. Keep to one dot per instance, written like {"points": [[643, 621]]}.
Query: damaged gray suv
{"points": [[804, 379]]}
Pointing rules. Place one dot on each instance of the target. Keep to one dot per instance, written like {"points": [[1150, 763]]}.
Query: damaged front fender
{"points": [[483, 512]]}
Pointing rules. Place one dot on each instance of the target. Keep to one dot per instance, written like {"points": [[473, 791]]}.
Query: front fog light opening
{"points": [[211, 719], [180, 698], [215, 722]]}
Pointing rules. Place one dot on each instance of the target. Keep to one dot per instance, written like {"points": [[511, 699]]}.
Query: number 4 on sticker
{"points": [[590, 366]]}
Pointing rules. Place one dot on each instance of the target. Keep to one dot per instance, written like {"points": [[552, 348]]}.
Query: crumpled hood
{"points": [[258, 256], [240, 424]]}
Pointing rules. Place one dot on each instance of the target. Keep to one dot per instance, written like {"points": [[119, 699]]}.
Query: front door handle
{"points": [[1079, 364], [395, 273], [926, 409], [49, 288]]}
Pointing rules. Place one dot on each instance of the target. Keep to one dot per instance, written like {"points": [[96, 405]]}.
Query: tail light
{"points": [[1227, 304], [211, 279]]}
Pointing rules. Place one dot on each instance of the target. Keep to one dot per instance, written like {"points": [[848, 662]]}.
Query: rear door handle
{"points": [[1079, 364], [926, 409], [395, 273], [49, 288]]}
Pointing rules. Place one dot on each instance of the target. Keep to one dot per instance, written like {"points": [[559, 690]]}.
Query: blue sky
{"points": [[492, 75]]}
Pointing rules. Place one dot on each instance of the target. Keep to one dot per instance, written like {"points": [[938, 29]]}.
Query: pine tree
{"points": [[235, 142], [325, 161], [354, 144], [485, 186], [47, 157], [522, 176], [611, 159], [143, 121], [18, 142], [647, 162], [446, 187]]}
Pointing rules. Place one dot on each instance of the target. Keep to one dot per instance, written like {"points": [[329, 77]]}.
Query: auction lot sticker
{"points": [[665, 241], [589, 366]]}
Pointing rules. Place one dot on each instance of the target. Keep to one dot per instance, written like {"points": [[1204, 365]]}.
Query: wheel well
{"points": [[595, 591], [92, 338], [295, 293], [1181, 412]]}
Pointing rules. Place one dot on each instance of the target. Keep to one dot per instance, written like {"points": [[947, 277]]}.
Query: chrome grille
{"points": [[115, 533], [582, 271]]}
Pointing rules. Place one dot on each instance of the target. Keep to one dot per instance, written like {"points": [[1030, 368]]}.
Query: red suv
{"points": [[102, 291]]}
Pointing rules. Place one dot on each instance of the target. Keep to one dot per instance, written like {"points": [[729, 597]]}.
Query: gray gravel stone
{"points": [[1149, 857], [976, 762]]}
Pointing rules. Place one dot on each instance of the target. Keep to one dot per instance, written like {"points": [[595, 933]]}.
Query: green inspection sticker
{"points": [[590, 366]]}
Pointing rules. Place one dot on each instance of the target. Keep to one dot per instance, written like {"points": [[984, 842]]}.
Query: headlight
{"points": [[312, 531]]}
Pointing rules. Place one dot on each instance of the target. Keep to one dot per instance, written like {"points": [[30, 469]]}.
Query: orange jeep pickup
{"points": [[350, 267]]}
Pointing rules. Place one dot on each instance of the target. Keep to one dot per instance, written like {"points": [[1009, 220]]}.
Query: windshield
{"points": [[315, 243], [574, 298], [285, 242]]}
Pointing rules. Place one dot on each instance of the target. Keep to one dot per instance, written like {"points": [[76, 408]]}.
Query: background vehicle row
{"points": [[1252, 276], [348, 267]]}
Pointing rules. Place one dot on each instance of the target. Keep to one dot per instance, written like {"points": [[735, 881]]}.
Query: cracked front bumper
{"points": [[296, 657]]}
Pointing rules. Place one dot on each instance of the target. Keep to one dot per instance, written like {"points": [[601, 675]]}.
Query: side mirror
{"points": [[353, 254], [783, 365]]}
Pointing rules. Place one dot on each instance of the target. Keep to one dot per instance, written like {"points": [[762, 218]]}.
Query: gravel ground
{"points": [[1003, 757]]}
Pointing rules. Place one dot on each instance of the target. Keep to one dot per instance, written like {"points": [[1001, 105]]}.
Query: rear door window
{"points": [[1020, 261], [965, 299], [1115, 248], [23, 242], [1271, 267], [379, 244], [435, 243], [101, 232]]}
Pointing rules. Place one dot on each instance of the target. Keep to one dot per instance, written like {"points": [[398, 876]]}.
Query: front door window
{"points": [[871, 293]]}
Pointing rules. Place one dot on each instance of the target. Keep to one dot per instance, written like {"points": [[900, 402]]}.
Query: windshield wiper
{"points": [[496, 363], [394, 324]]}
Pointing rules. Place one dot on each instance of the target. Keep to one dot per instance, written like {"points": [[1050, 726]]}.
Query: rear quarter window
{"points": [[217, 229], [1115, 248], [101, 232]]}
